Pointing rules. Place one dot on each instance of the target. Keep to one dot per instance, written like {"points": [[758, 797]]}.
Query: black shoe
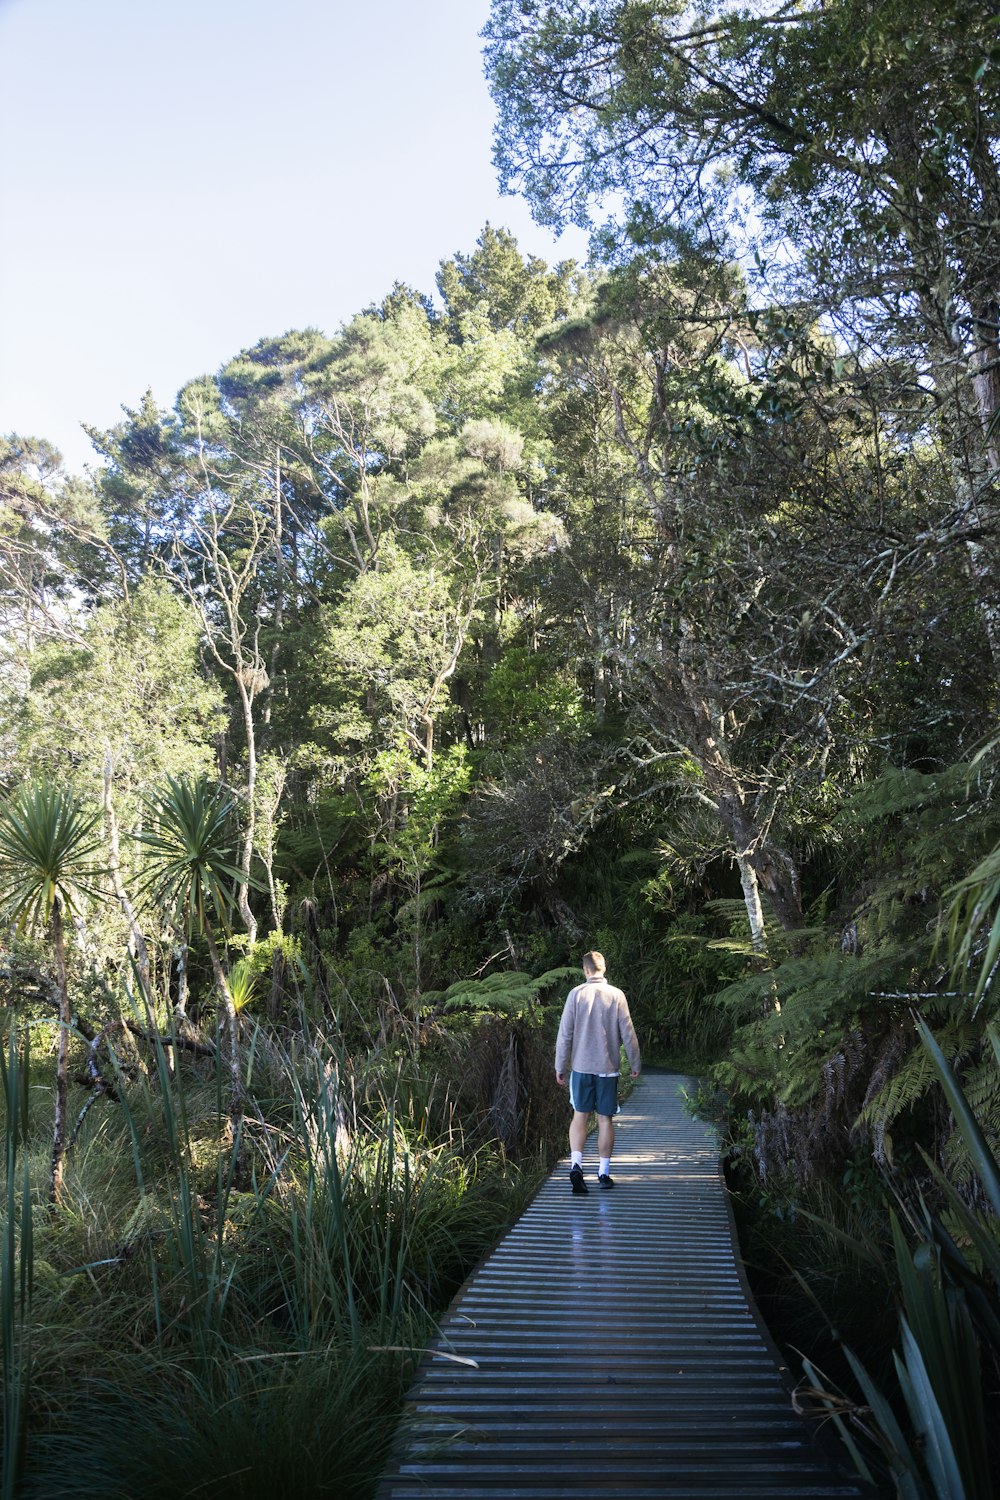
{"points": [[576, 1180], [605, 1180]]}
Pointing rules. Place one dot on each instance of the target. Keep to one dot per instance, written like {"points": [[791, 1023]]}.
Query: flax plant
{"points": [[254, 1309], [352, 1210], [949, 1324], [194, 1268]]}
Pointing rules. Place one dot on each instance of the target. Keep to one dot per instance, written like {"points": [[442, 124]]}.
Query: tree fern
{"points": [[505, 993]]}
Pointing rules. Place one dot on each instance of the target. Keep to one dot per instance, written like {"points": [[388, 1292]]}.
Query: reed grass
{"points": [[221, 1313], [249, 1429], [16, 1266]]}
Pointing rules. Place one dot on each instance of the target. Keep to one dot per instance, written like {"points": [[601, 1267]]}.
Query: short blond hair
{"points": [[593, 963]]}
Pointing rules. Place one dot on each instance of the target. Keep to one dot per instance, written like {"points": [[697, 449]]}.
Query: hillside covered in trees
{"points": [[651, 606]]}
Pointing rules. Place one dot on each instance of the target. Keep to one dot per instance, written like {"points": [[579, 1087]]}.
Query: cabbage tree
{"points": [[193, 871], [48, 845]]}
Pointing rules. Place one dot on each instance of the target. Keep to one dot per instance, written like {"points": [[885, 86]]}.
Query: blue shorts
{"points": [[590, 1093]]}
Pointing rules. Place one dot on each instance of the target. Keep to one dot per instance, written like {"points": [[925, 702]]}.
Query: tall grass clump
{"points": [[236, 1308], [16, 1279]]}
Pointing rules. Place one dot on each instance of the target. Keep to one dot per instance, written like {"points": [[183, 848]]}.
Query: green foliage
{"points": [[242, 980], [391, 638], [276, 961], [506, 993], [130, 696], [47, 854], [823, 1048], [495, 286], [948, 1319], [973, 923], [253, 1428], [190, 850], [427, 797], [528, 696], [304, 1286], [582, 612]]}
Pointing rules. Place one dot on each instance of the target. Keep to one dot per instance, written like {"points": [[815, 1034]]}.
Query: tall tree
{"points": [[497, 288], [861, 137], [772, 549], [55, 554]]}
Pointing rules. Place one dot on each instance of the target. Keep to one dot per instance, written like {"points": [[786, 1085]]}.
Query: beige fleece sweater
{"points": [[595, 1023]]}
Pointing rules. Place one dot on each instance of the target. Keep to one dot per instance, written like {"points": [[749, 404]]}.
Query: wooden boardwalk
{"points": [[611, 1347]]}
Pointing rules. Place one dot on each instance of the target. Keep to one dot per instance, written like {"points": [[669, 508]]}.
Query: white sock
{"points": [[605, 1167], [577, 1158]]}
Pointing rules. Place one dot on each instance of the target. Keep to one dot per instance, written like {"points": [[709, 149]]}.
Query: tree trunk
{"points": [[231, 1029], [751, 896], [138, 942], [774, 871], [246, 856], [62, 1059], [181, 957], [279, 570]]}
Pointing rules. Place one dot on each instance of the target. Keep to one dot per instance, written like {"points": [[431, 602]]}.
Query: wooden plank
{"points": [[617, 1349]]}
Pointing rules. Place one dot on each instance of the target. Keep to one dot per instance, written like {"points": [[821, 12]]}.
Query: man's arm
{"points": [[564, 1040], [629, 1037]]}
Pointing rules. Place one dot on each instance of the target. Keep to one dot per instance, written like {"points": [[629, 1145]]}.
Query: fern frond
{"points": [[507, 992]]}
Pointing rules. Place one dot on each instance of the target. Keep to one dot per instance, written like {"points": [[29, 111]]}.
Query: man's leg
{"points": [[577, 1142], [582, 1098], [605, 1146], [578, 1131]]}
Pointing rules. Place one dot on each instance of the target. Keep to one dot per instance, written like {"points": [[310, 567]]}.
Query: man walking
{"points": [[595, 1023]]}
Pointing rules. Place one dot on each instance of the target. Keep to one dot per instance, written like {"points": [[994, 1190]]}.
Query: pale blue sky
{"points": [[184, 177]]}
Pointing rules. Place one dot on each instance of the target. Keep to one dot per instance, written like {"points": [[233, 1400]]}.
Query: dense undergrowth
{"points": [[220, 1311], [878, 1271]]}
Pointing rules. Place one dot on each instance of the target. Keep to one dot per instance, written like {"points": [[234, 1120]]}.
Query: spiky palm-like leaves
{"points": [[974, 923], [948, 1319], [47, 868], [47, 849], [190, 851], [191, 870]]}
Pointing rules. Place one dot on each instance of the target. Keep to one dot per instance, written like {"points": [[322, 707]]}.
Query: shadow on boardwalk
{"points": [[607, 1347]]}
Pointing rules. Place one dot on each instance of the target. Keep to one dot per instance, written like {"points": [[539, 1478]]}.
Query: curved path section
{"points": [[607, 1347]]}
